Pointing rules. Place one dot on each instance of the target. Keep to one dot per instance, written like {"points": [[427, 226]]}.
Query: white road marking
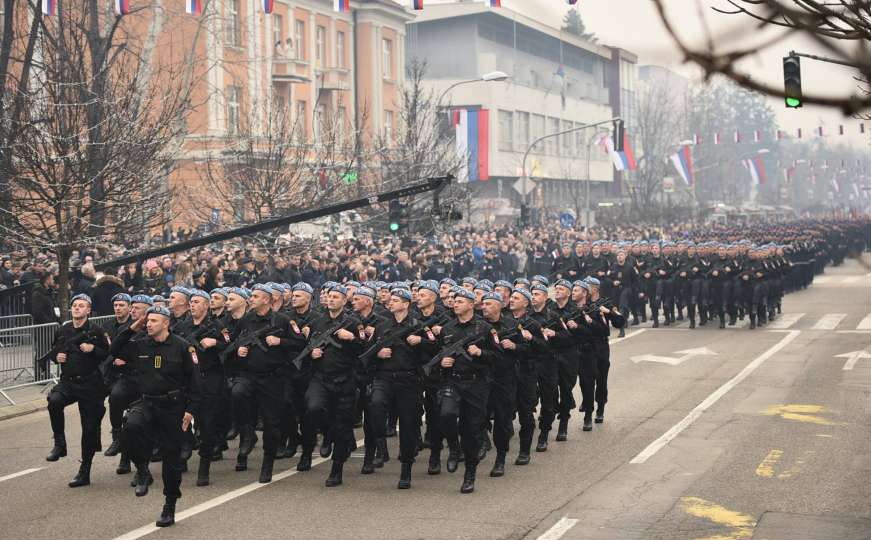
{"points": [[219, 500], [19, 473], [694, 414], [627, 336], [829, 321], [822, 280], [852, 279], [782, 322], [559, 529], [852, 358], [864, 324]]}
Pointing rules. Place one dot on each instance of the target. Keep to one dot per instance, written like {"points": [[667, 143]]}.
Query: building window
{"points": [[278, 34], [551, 146], [320, 36], [387, 58], [567, 139], [300, 122], [506, 131], [388, 126], [522, 139], [536, 131], [340, 49], [234, 97], [581, 141], [299, 34], [232, 23]]}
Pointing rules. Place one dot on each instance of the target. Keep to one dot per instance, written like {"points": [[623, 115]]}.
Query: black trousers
{"points": [[329, 406], [89, 393], [363, 406], [502, 402], [293, 406], [431, 416], [213, 388], [402, 392], [567, 370], [527, 399], [587, 378], [264, 393], [462, 412], [548, 388], [123, 392], [156, 422]]}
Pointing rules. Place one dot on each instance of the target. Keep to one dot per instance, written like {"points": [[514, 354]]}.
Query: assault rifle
{"points": [[69, 345], [324, 339], [455, 350], [397, 335]]}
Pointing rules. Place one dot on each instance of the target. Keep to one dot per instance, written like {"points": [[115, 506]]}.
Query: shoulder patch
{"points": [[193, 352]]}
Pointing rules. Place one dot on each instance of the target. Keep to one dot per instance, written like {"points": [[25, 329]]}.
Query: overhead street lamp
{"points": [[492, 76]]}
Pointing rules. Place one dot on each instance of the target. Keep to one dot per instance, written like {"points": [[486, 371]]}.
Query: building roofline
{"points": [[437, 12], [387, 7]]}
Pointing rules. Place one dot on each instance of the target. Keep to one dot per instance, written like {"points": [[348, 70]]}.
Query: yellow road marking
{"points": [[801, 413], [766, 467], [740, 525]]}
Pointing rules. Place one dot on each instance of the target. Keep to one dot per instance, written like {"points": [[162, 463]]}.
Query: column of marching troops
{"points": [[459, 359]]}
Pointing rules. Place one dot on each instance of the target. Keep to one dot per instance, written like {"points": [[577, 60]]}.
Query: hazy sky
{"points": [[634, 25]]}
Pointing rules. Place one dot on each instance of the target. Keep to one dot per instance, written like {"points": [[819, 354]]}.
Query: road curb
{"points": [[14, 411]]}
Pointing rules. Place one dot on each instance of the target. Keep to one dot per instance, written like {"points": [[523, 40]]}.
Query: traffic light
{"points": [[524, 215], [394, 216], [792, 81], [618, 135]]}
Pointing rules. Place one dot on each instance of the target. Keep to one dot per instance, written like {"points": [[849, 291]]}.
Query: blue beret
{"points": [[430, 285], [483, 287], [405, 294], [464, 293], [592, 281], [494, 296], [238, 291], [371, 284], [160, 310], [399, 285], [328, 285], [503, 283], [449, 281], [382, 285], [142, 299], [485, 282], [179, 289], [338, 287], [563, 283], [524, 293], [122, 297], [521, 281], [578, 283], [81, 296], [539, 287], [220, 290], [541, 279], [262, 287], [352, 283], [469, 281], [583, 284], [201, 293], [365, 291], [304, 287]]}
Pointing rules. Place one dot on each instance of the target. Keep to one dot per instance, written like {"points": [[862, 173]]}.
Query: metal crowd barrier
{"points": [[20, 349]]}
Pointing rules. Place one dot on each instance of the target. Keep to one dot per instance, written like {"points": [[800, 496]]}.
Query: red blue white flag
{"points": [[122, 7], [268, 6], [49, 8], [756, 168], [494, 3], [193, 7], [342, 5], [417, 4], [472, 128], [683, 163]]}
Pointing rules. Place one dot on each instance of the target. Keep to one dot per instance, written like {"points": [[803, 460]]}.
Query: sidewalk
{"points": [[27, 400]]}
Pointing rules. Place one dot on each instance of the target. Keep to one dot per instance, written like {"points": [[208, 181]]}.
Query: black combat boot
{"points": [[114, 448], [600, 413], [655, 319], [499, 465], [692, 322], [335, 478], [281, 451], [368, 457], [722, 321], [752, 321], [266, 470], [326, 447], [667, 315], [382, 455], [542, 441], [732, 319], [588, 421], [469, 479], [59, 449], [405, 477], [233, 432], [167, 516], [241, 463], [305, 462], [523, 455], [142, 480], [435, 463], [680, 314], [562, 433], [203, 472], [703, 317], [247, 440], [83, 477], [453, 458], [622, 332], [635, 320], [123, 465]]}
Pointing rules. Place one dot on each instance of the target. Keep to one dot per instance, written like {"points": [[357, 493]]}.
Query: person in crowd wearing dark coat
{"points": [[105, 288], [42, 301]]}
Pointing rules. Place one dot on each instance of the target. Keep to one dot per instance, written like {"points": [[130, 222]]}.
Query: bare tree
{"points": [[90, 130], [841, 27]]}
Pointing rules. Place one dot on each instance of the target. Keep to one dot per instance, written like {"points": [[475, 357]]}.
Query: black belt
{"points": [[175, 394], [465, 376], [397, 374], [78, 378]]}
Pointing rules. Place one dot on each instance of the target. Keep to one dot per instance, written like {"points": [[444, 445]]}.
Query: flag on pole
{"points": [[122, 7], [268, 6], [696, 139], [756, 137], [737, 137], [417, 4], [494, 3], [819, 131], [49, 8], [799, 133], [716, 138], [472, 128], [841, 129], [756, 168], [342, 5], [625, 160], [862, 127], [683, 164], [194, 7], [825, 164]]}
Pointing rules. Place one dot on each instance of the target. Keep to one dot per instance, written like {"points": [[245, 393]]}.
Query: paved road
{"points": [[760, 434]]}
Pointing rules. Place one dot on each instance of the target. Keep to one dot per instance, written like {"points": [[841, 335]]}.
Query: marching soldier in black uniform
{"points": [[546, 365], [566, 352], [166, 366], [433, 315], [121, 305], [79, 347], [363, 303], [503, 387]]}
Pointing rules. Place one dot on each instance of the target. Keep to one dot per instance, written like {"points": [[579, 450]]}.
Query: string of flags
{"points": [[683, 163], [758, 136], [756, 168]]}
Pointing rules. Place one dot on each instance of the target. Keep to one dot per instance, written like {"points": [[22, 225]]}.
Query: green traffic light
{"points": [[394, 227], [793, 102]]}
